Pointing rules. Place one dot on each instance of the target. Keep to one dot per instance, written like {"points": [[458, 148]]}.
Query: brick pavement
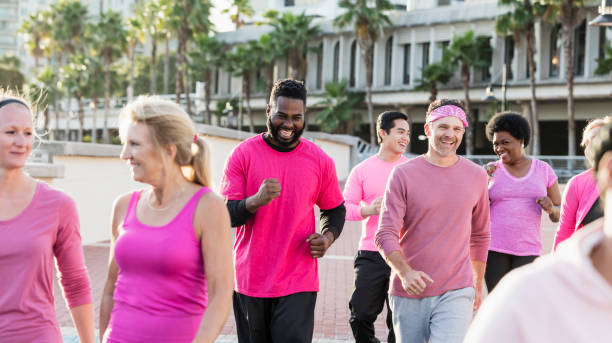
{"points": [[336, 283]]}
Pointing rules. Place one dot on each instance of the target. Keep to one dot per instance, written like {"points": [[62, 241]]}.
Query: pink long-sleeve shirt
{"points": [[47, 228], [578, 197], [559, 298], [438, 217], [366, 182]]}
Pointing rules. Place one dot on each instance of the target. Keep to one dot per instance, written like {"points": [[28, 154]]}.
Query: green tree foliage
{"points": [[207, 54], [433, 74], [36, 29], [243, 9], [604, 65], [466, 52], [366, 21], [291, 34], [339, 114]]}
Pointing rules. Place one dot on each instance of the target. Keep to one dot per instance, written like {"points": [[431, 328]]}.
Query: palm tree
{"points": [[207, 54], [367, 22], [271, 51], [243, 61], [243, 8], [10, 76], [340, 108], [36, 29], [433, 74], [292, 33], [188, 17], [76, 77], [155, 18], [466, 52], [47, 80], [135, 35], [94, 90], [569, 13], [520, 22], [110, 41]]}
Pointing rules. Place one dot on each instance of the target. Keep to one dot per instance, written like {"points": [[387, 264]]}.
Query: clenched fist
{"points": [[268, 190]]}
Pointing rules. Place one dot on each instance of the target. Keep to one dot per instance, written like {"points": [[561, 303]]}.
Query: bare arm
{"points": [[413, 281], [83, 319], [107, 302], [213, 229], [551, 202], [478, 268]]}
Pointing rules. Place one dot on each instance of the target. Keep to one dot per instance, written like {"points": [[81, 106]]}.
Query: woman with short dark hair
{"points": [[520, 188]]}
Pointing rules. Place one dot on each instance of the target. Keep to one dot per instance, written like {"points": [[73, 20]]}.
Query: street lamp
{"points": [[605, 14], [490, 95]]}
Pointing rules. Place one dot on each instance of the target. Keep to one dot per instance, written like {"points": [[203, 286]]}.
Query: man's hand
{"points": [[413, 281], [546, 204], [490, 168], [268, 190], [320, 243], [373, 209], [477, 298]]}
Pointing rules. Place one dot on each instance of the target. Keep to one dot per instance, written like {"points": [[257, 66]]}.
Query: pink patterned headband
{"points": [[447, 111]]}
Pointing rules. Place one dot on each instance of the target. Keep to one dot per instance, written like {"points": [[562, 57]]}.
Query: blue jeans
{"points": [[439, 319]]}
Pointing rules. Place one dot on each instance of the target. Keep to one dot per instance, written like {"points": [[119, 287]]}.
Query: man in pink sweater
{"points": [[434, 233], [362, 197]]}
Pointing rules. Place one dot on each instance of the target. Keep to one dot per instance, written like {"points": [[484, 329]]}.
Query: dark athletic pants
{"points": [[275, 320], [499, 264], [369, 296]]}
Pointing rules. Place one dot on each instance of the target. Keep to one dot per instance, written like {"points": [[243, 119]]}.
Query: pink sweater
{"points": [[558, 298], [47, 228], [366, 182], [439, 219], [578, 197]]}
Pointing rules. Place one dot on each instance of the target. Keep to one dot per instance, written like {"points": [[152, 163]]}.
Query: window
{"points": [[509, 56], [579, 48], [353, 64], [424, 55], [216, 90], [289, 3], [388, 60], [319, 80], [605, 39], [443, 2], [555, 48], [406, 64], [336, 70]]}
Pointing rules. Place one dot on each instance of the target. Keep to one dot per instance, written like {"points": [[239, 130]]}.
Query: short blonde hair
{"points": [[169, 124], [593, 124]]}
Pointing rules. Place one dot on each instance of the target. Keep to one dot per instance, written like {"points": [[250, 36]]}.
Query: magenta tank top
{"points": [[160, 293]]}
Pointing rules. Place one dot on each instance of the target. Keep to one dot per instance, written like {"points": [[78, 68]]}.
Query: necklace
{"points": [[170, 203]]}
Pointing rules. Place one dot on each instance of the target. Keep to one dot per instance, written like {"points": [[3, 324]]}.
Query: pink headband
{"points": [[448, 111]]}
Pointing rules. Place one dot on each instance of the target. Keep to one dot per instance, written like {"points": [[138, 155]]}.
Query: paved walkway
{"points": [[331, 312]]}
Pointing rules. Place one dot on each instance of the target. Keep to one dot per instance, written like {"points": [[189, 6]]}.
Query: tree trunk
{"points": [[246, 88], [167, 67], [94, 126], [207, 115], [179, 69], [46, 119], [294, 65], [568, 18], [465, 81], [130, 90], [81, 118], [67, 128], [269, 80], [105, 135], [365, 48], [534, 118], [433, 91], [153, 66], [187, 84]]}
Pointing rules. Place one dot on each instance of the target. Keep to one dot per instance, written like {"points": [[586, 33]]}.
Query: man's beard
{"points": [[273, 131]]}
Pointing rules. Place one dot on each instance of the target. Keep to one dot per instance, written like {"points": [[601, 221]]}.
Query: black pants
{"points": [[369, 296], [275, 320], [499, 264]]}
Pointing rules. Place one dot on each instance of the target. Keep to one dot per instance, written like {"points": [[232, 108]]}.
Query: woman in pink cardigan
{"points": [[580, 204]]}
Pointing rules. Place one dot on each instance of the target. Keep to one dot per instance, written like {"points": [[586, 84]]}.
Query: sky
{"points": [[222, 21]]}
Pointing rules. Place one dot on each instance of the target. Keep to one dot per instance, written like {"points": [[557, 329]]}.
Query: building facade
{"points": [[416, 38]]}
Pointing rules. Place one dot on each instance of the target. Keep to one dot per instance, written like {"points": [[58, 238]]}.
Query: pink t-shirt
{"points": [[366, 182], [272, 257], [438, 217], [47, 229], [515, 215]]}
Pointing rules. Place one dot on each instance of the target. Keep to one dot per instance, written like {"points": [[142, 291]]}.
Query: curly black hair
{"points": [[513, 123], [443, 102], [288, 88]]}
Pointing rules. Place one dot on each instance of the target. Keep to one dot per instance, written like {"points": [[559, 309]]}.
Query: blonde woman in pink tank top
{"points": [[170, 274]]}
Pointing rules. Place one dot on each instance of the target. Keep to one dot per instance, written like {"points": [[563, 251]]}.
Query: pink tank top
{"points": [[160, 293]]}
